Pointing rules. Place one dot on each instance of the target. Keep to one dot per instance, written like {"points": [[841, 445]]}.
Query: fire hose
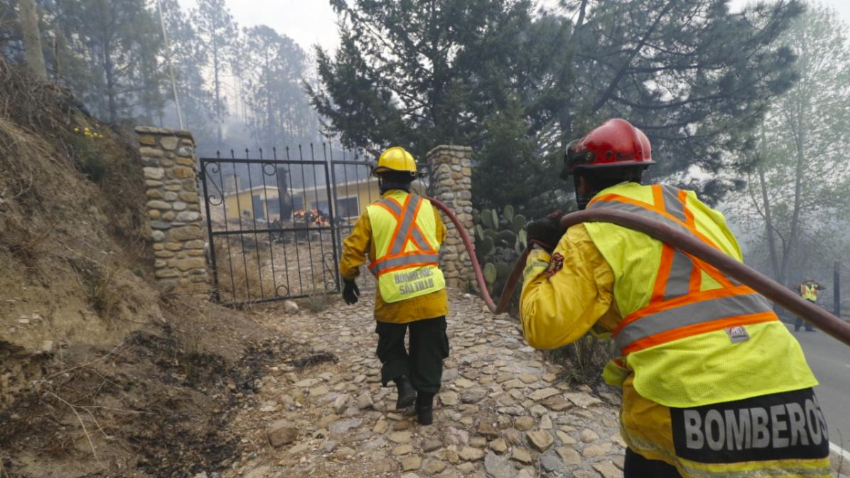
{"points": [[748, 276]]}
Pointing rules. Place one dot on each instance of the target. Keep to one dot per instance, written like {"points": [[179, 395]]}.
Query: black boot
{"points": [[406, 393], [425, 408]]}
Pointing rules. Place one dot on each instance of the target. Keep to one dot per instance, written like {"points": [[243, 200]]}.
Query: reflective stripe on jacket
{"points": [[359, 248], [809, 291], [567, 293], [407, 250], [691, 335]]}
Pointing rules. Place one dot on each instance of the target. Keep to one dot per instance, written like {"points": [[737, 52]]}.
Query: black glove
{"points": [[350, 292], [546, 232]]}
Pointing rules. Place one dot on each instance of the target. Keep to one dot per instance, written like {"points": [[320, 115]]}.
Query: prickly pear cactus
{"points": [[490, 273], [518, 223], [509, 213], [499, 241]]}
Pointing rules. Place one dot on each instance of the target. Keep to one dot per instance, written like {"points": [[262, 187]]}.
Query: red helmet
{"points": [[615, 143]]}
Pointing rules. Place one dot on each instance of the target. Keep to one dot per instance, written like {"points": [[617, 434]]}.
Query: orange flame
{"points": [[313, 217]]}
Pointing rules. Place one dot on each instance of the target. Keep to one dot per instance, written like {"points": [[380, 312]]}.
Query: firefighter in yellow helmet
{"points": [[809, 290], [401, 235], [713, 384]]}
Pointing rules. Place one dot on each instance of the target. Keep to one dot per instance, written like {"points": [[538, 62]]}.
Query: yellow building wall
{"points": [[236, 204], [366, 192]]}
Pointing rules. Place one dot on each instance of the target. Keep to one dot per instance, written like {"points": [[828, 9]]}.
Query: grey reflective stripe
{"points": [[420, 240], [406, 224], [641, 211], [392, 205], [404, 261], [679, 281], [691, 314], [672, 205]]}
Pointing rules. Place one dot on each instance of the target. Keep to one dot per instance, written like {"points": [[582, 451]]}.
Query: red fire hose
{"points": [[765, 286]]}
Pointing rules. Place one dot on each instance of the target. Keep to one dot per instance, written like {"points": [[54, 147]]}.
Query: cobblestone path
{"points": [[502, 412]]}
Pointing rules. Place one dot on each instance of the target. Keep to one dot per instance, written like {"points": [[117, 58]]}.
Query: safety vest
{"points": [[407, 251], [691, 335], [809, 292]]}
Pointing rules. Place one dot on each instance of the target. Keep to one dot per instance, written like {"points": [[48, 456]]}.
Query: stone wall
{"points": [[174, 210], [452, 179]]}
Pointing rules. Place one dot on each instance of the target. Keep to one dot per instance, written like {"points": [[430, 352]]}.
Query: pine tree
{"points": [[280, 112], [217, 32], [696, 77]]}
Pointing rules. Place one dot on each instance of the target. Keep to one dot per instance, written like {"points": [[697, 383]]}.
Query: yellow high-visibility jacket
{"points": [[359, 245], [572, 291], [809, 291]]}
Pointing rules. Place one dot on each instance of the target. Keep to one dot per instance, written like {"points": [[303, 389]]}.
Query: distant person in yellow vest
{"points": [[809, 291], [713, 384], [402, 234]]}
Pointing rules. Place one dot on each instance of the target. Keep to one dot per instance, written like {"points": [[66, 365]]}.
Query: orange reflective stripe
{"points": [[690, 315], [696, 274], [715, 274], [657, 198], [667, 254], [697, 329], [682, 301], [648, 207]]}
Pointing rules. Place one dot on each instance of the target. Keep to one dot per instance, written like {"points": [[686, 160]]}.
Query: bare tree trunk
{"points": [[768, 217], [32, 38], [799, 142], [109, 69], [216, 72], [768, 223]]}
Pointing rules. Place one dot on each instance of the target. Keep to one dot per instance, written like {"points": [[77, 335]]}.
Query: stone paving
{"points": [[503, 412]]}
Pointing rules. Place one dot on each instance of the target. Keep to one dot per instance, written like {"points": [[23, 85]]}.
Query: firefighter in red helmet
{"points": [[714, 385]]}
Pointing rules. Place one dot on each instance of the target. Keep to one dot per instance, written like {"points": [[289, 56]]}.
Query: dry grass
{"points": [[249, 272], [240, 272], [319, 299]]}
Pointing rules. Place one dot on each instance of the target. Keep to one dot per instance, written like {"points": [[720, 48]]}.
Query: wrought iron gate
{"points": [[271, 227], [276, 226]]}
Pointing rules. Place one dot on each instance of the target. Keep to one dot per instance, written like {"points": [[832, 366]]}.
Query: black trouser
{"points": [[798, 322], [429, 345], [639, 467]]}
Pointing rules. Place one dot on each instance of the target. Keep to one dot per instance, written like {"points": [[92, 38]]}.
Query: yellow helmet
{"points": [[395, 159]]}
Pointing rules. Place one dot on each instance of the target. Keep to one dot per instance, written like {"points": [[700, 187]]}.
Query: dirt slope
{"points": [[100, 373]]}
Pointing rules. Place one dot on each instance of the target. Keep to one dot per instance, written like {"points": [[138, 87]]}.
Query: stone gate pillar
{"points": [[174, 210], [452, 179]]}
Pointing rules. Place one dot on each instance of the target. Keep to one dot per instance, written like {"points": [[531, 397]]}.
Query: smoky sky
{"points": [[311, 22]]}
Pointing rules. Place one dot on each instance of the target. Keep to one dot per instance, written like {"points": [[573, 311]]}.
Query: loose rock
{"points": [[280, 434], [471, 454], [540, 440]]}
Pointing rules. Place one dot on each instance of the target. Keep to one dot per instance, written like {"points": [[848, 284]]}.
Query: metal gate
{"points": [[271, 227], [276, 226]]}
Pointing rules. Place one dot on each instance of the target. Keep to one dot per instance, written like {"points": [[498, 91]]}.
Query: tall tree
{"points": [[189, 57], [407, 72], [279, 109], [692, 74], [217, 32], [801, 185], [32, 38], [115, 37]]}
